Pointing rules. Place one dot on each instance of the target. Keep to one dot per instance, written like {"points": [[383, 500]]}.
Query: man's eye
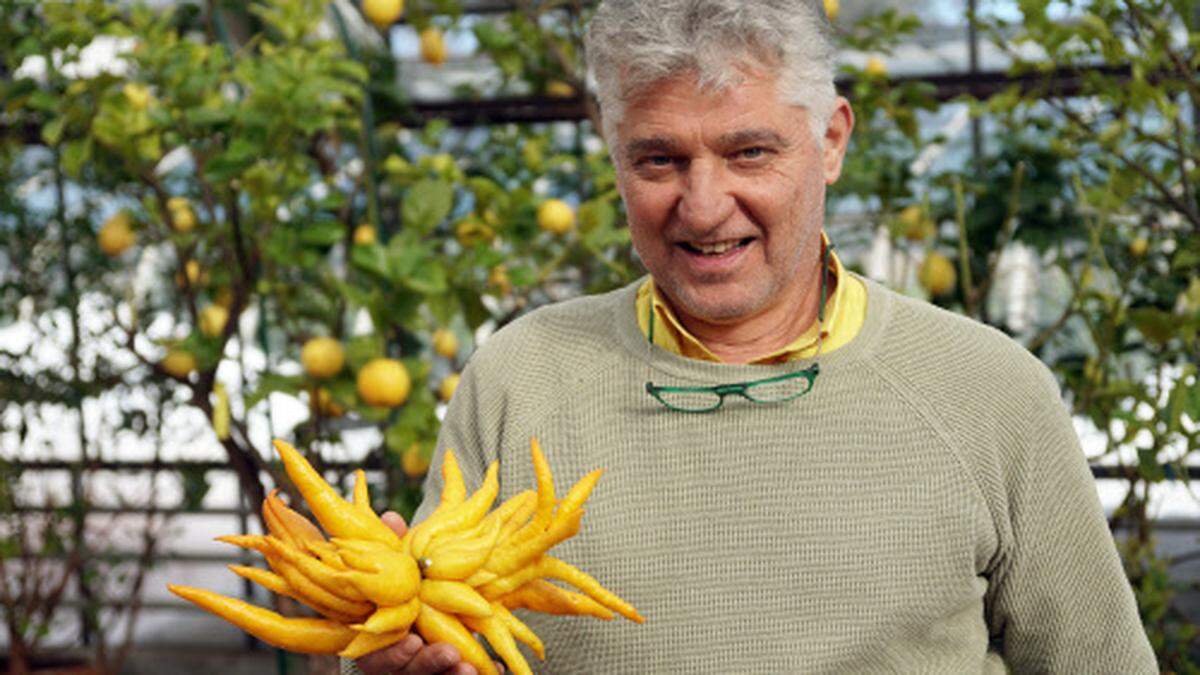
{"points": [[657, 161], [752, 153]]}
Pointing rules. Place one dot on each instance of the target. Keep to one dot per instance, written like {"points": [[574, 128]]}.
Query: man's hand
{"points": [[411, 656]]}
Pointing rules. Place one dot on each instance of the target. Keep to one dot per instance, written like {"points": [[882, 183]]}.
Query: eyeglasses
{"points": [[767, 391], [778, 389]]}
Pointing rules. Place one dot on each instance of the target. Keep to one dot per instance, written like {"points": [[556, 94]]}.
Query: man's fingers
{"points": [[394, 521], [386, 661], [437, 658], [464, 669]]}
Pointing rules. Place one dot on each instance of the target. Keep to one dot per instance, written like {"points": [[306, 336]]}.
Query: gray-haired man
{"points": [[919, 503]]}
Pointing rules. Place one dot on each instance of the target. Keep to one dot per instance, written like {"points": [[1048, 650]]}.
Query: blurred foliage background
{"points": [[240, 205]]}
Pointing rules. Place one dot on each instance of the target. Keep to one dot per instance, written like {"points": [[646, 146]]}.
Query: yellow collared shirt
{"points": [[845, 311]]}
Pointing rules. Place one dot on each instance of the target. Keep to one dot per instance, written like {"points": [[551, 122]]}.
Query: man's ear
{"points": [[837, 139]]}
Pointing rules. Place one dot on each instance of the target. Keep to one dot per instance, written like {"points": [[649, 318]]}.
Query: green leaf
{"points": [[426, 204], [271, 383], [52, 131], [1158, 326], [323, 233], [428, 278], [363, 348], [371, 258]]}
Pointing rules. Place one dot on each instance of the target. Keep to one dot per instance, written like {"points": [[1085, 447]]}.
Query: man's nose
{"points": [[706, 201]]}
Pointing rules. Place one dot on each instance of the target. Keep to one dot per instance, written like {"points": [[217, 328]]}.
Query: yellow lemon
{"points": [[322, 357], [470, 231], [914, 224], [876, 68], [323, 403], [213, 319], [433, 46], [364, 234], [383, 13], [559, 89], [832, 7], [498, 279], [556, 216], [414, 462], [937, 274], [195, 275], [445, 343], [116, 234], [1138, 247], [182, 217], [447, 387], [383, 382], [179, 363]]}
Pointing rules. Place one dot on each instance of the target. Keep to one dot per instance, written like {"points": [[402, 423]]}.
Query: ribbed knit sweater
{"points": [[926, 508]]}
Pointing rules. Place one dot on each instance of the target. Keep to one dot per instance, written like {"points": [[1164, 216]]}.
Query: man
{"points": [[919, 503]]}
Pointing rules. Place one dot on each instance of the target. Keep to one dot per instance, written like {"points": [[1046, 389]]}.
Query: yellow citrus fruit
{"points": [[116, 234], [470, 231], [498, 279], [442, 162], [182, 216], [322, 357], [433, 46], [914, 224], [384, 383], [556, 216], [1138, 247], [178, 362], [447, 387], [324, 404], [445, 343], [937, 274], [364, 234], [383, 13], [195, 275], [559, 89], [414, 462], [213, 319], [876, 67], [832, 7]]}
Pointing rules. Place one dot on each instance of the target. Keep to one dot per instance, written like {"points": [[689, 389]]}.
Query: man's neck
{"points": [[770, 330]]}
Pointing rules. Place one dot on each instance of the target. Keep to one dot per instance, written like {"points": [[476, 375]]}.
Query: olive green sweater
{"points": [[925, 509]]}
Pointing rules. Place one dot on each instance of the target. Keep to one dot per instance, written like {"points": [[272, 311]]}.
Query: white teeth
{"points": [[715, 249]]}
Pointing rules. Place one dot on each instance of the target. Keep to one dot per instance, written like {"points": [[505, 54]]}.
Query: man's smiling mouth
{"points": [[715, 248]]}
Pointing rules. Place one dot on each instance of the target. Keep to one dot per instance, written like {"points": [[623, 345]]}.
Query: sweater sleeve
{"points": [[1059, 599]]}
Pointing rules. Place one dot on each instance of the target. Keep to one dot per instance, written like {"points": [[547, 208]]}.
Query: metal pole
{"points": [[973, 51]]}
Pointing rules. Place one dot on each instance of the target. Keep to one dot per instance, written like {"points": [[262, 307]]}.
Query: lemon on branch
{"points": [[178, 363], [461, 570], [559, 89], [364, 234], [383, 383], [183, 219], [937, 274], [213, 319], [876, 68], [116, 234], [383, 13], [832, 7], [556, 216], [433, 46], [448, 386], [445, 343], [322, 357], [414, 461]]}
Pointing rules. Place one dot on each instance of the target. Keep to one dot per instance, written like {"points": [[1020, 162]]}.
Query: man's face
{"points": [[725, 193]]}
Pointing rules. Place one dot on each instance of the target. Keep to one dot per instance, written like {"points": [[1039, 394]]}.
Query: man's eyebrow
{"points": [[654, 144], [745, 137]]}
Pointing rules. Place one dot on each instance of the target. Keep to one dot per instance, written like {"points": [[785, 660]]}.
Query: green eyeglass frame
{"points": [[743, 389]]}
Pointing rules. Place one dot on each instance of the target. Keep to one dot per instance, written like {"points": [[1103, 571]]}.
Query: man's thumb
{"points": [[394, 521]]}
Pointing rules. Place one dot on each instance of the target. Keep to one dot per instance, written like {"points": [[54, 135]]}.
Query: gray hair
{"points": [[631, 44]]}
